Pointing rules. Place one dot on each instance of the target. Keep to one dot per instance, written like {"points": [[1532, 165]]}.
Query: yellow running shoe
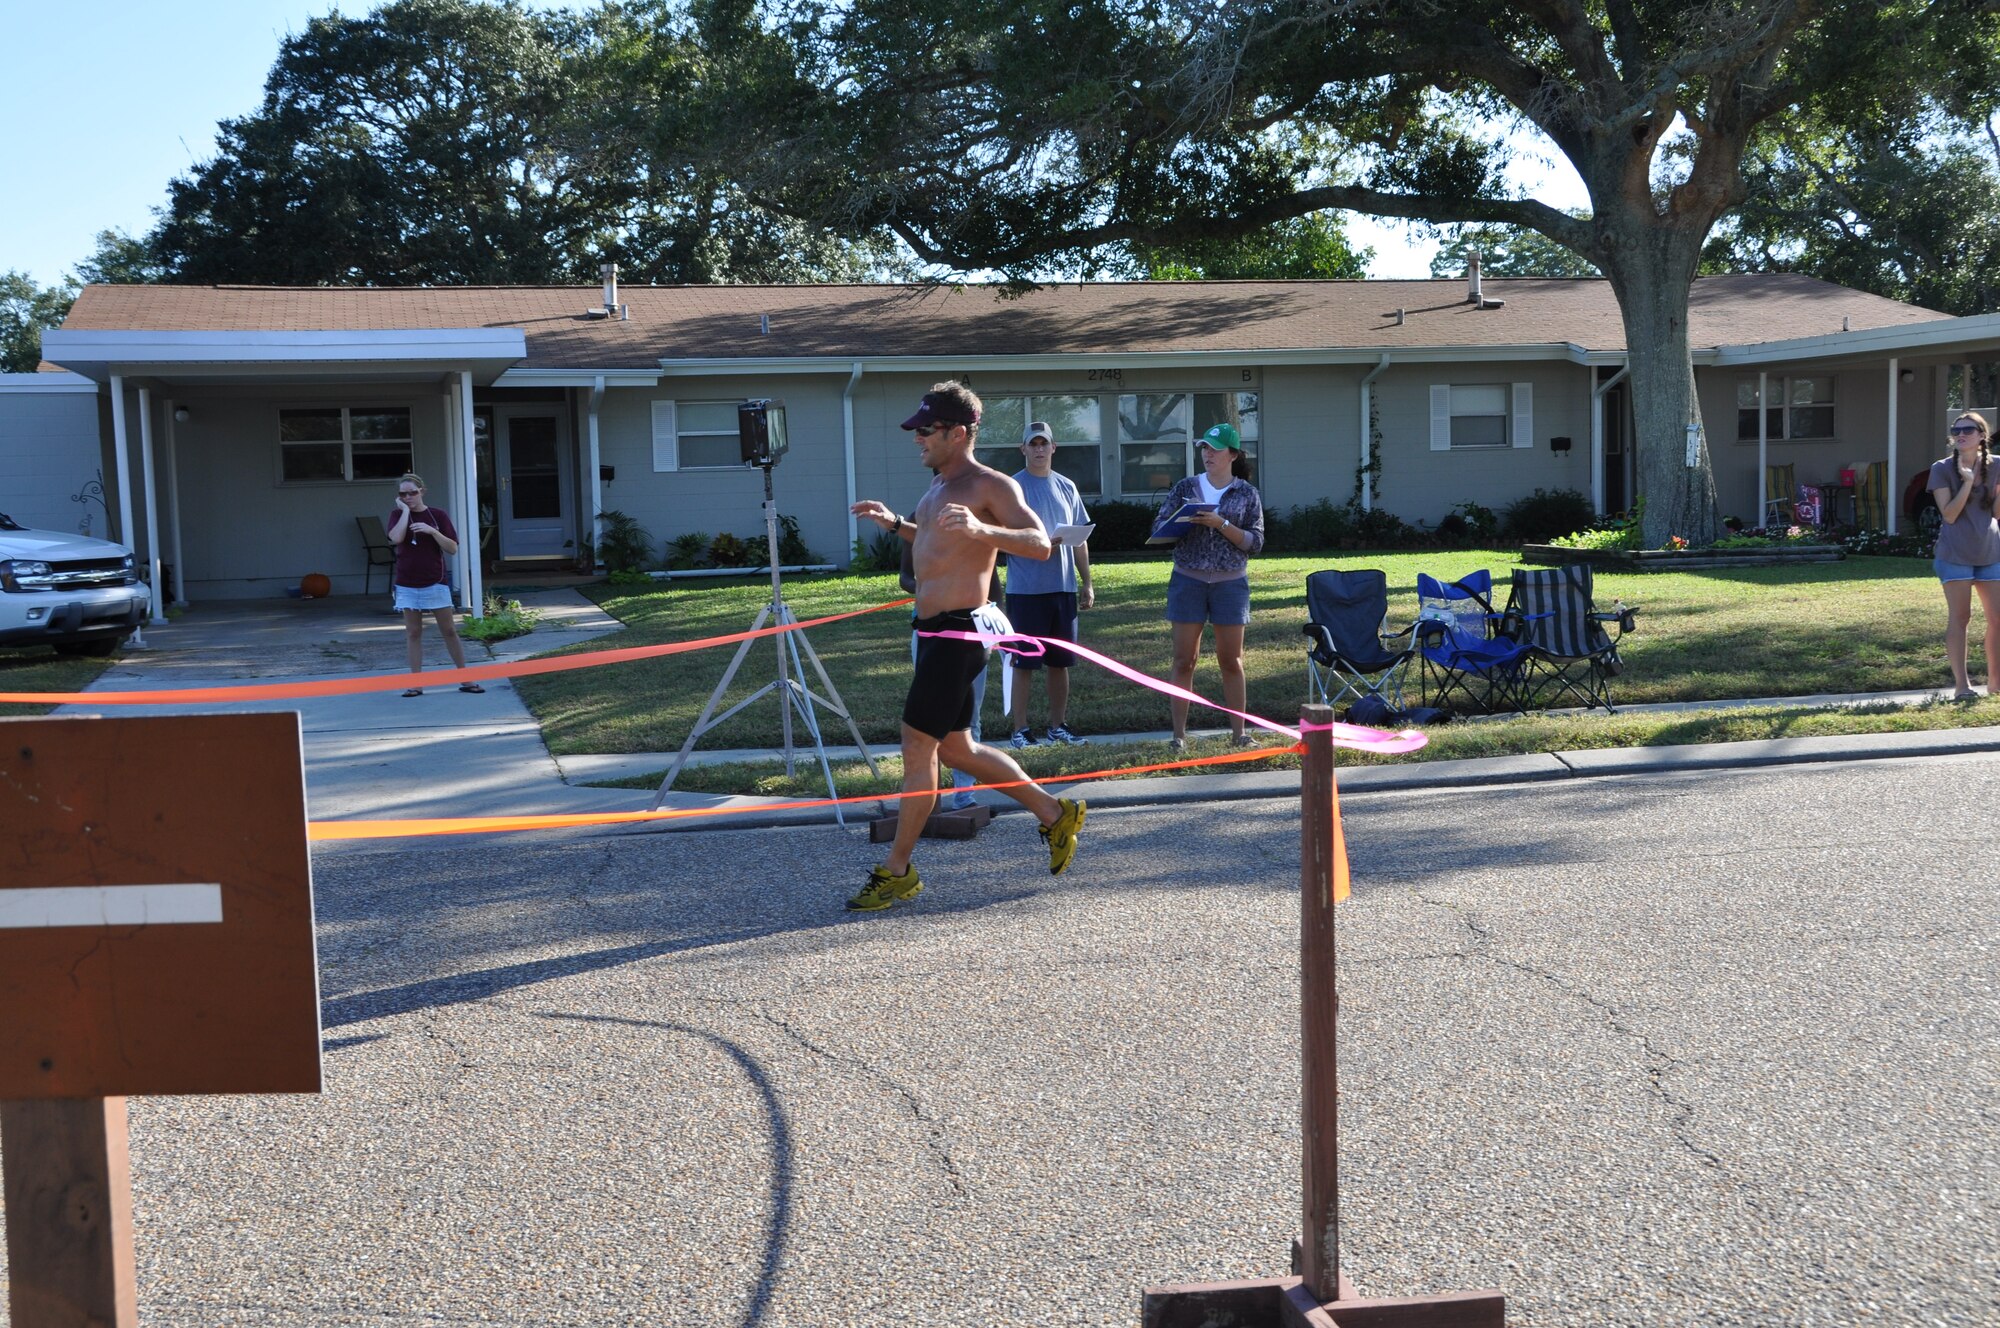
{"points": [[1061, 836], [883, 889]]}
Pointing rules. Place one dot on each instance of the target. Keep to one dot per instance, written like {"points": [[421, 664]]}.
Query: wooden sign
{"points": [[156, 919]]}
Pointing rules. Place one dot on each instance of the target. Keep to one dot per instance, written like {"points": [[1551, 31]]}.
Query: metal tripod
{"points": [[790, 681]]}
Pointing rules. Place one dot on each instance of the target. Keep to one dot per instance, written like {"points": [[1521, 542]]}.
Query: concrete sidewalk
{"points": [[450, 754]]}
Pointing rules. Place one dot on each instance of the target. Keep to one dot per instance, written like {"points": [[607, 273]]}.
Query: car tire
{"points": [[96, 647]]}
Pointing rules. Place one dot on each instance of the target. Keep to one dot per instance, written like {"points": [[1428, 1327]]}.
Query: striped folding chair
{"points": [[1571, 657]]}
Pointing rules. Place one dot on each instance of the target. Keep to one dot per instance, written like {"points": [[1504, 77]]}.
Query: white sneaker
{"points": [[1021, 741], [1058, 733]]}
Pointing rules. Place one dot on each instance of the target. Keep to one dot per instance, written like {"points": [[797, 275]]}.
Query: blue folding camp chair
{"points": [[1465, 663], [1350, 654], [1571, 657]]}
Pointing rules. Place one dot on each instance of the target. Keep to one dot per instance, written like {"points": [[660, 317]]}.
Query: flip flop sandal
{"points": [[414, 691], [470, 687]]}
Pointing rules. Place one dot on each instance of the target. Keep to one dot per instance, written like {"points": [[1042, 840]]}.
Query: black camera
{"points": [[760, 430]]}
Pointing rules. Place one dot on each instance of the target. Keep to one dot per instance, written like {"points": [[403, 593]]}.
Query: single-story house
{"points": [[241, 430]]}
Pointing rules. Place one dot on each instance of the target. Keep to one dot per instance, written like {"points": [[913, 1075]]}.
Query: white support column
{"points": [[847, 440], [1892, 492], [121, 455], [468, 548], [1597, 391], [593, 470], [1763, 448], [159, 592], [454, 488], [172, 464]]}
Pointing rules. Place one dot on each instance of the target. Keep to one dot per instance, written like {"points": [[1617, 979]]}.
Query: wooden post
{"points": [[68, 1186], [1319, 1110], [1322, 1297]]}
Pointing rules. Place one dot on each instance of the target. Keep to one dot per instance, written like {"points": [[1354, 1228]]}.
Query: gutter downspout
{"points": [[847, 428], [1597, 392], [1367, 438], [593, 473], [158, 592]]}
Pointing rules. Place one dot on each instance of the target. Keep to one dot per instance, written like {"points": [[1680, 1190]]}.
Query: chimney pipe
{"points": [[1472, 276], [610, 273]]}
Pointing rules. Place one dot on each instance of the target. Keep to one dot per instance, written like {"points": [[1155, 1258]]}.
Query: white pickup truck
{"points": [[72, 592]]}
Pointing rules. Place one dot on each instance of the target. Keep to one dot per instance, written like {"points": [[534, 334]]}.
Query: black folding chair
{"points": [[375, 544], [1349, 652], [1571, 656]]}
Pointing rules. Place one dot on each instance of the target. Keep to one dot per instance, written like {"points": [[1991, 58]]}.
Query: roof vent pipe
{"points": [[764, 324], [624, 313], [1399, 317], [610, 274]]}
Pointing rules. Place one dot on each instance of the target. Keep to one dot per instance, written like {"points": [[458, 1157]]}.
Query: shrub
{"points": [[883, 552], [1545, 514], [1315, 526], [686, 552], [1122, 527], [627, 576], [730, 551], [500, 620], [792, 549], [624, 545], [1469, 523]]}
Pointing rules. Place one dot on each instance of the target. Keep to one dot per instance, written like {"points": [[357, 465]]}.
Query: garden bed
{"points": [[1681, 560]]}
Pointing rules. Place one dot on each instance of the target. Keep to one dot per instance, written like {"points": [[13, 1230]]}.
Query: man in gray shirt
{"points": [[1043, 598]]}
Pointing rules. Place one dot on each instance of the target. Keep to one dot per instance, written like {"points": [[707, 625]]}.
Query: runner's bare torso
{"points": [[954, 567]]}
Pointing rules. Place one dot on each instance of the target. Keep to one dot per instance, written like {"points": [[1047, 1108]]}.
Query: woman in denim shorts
{"points": [[1967, 557], [1211, 577]]}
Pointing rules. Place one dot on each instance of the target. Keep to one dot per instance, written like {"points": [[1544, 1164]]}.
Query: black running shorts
{"points": [[940, 700]]}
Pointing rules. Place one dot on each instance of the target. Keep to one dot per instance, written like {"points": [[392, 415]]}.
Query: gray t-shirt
{"points": [[1975, 537], [1056, 501]]}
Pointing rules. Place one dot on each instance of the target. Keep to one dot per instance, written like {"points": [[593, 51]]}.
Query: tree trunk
{"points": [[1675, 477]]}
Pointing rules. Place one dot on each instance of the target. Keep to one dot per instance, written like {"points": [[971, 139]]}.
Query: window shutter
{"points": [[1524, 414], [666, 444], [1440, 417]]}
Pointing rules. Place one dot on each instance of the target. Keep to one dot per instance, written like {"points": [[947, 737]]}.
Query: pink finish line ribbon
{"points": [[1354, 736]]}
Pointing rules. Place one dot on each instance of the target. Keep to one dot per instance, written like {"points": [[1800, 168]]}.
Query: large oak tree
{"points": [[1032, 135]]}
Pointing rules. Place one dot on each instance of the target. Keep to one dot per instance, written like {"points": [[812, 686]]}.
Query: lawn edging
{"points": [[1680, 560]]}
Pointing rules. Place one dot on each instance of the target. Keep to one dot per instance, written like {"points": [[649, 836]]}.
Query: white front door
{"points": [[532, 463]]}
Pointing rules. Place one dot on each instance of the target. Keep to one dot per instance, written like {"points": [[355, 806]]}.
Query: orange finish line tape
{"points": [[327, 831], [384, 682]]}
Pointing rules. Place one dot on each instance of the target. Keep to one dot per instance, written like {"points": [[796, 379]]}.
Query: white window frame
{"points": [[1252, 444], [1778, 401], [346, 441], [1516, 416], [667, 435]]}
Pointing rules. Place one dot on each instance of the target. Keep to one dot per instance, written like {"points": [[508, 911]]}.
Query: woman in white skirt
{"points": [[424, 537]]}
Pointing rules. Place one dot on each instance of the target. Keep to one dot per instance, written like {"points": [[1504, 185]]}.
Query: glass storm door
{"points": [[533, 464]]}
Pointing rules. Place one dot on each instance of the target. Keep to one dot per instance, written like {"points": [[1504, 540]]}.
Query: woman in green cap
{"points": [[1211, 577]]}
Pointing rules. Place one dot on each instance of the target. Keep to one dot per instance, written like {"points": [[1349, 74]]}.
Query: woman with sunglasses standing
{"points": [[1968, 547], [424, 537], [1210, 582]]}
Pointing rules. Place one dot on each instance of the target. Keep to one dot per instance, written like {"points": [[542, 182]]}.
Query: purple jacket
{"points": [[1205, 550]]}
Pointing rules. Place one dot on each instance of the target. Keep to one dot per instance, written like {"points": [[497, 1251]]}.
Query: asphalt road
{"points": [[1711, 1048]]}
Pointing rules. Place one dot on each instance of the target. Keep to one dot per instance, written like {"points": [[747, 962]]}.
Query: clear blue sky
{"points": [[104, 101]]}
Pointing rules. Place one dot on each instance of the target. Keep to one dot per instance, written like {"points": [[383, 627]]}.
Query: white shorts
{"points": [[423, 598]]}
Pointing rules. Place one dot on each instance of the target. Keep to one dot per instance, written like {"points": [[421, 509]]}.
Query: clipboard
{"points": [[1171, 527]]}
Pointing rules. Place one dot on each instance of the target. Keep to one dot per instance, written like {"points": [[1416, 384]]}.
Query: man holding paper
{"points": [[1043, 598]]}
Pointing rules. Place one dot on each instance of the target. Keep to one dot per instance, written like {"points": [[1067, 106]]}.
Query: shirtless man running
{"points": [[971, 514]]}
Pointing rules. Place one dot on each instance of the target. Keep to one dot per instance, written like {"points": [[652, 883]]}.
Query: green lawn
{"points": [[40, 669], [1865, 624]]}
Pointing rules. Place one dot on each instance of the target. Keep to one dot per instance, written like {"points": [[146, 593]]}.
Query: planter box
{"points": [[1691, 560]]}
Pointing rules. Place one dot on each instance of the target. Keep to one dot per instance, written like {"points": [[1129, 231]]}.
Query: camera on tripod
{"points": [[761, 432]]}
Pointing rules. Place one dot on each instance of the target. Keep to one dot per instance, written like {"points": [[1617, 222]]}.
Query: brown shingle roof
{"points": [[723, 322]]}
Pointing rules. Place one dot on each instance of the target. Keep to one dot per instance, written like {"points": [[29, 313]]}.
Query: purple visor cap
{"points": [[937, 412]]}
